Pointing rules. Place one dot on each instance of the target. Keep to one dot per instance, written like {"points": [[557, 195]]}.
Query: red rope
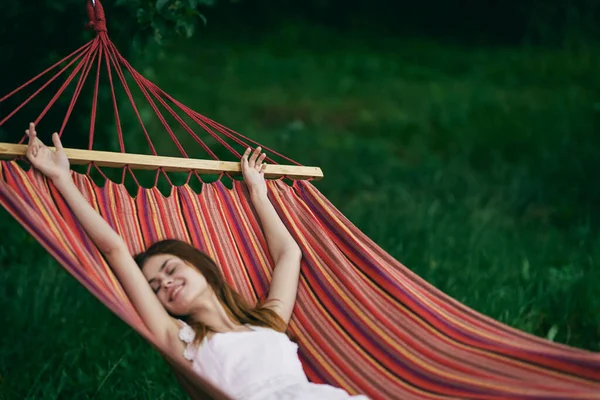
{"points": [[35, 78], [160, 116], [142, 83], [119, 72], [60, 91], [96, 16], [114, 56], [199, 119], [43, 86], [232, 132], [102, 50], [97, 169], [93, 111], [109, 60], [205, 122], [80, 83], [133, 176], [95, 100], [195, 119], [114, 98], [185, 126]]}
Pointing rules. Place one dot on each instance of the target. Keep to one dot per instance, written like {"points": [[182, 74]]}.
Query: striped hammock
{"points": [[364, 322]]}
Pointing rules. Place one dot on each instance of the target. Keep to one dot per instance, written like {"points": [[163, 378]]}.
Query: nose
{"points": [[168, 282]]}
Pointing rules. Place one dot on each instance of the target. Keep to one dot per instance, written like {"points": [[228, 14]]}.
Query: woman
{"points": [[243, 350]]}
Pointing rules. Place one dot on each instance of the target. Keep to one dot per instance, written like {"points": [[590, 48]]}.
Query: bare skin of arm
{"points": [[55, 166], [283, 248]]}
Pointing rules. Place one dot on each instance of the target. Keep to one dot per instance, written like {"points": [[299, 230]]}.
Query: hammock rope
{"points": [[364, 321], [102, 52]]}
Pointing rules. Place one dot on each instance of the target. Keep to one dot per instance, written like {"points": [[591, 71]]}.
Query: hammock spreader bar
{"points": [[168, 164]]}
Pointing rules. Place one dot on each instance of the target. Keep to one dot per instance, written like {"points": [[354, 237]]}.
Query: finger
{"points": [[32, 150], [259, 165], [33, 139], [31, 133], [33, 144], [32, 130], [261, 159], [254, 156], [57, 142], [245, 158], [263, 168]]}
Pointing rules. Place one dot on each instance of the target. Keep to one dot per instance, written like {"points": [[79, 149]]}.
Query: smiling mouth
{"points": [[176, 292]]}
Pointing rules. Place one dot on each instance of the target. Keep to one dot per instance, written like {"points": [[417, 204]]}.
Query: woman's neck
{"points": [[211, 313]]}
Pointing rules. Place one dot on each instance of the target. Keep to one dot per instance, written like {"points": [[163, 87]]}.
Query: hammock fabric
{"points": [[364, 321]]}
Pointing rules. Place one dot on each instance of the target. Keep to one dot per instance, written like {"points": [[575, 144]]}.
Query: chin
{"points": [[178, 312]]}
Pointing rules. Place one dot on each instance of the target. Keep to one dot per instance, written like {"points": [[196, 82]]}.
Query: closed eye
{"points": [[170, 271]]}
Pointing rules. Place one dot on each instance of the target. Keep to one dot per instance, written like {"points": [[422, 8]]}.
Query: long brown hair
{"points": [[238, 309]]}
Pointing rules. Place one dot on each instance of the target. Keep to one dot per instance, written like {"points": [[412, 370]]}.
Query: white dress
{"points": [[261, 364]]}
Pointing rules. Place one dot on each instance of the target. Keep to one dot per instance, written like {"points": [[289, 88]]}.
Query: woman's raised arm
{"points": [[283, 248], [55, 166]]}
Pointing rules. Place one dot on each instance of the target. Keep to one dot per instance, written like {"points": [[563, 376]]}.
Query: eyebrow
{"points": [[160, 269]]}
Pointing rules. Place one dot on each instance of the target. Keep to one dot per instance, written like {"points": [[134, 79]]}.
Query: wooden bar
{"points": [[147, 162]]}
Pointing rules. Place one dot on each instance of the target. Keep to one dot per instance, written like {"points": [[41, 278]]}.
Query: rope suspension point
{"points": [[95, 12]]}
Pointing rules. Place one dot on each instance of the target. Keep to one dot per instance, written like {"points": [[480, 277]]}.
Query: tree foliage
{"points": [[162, 19]]}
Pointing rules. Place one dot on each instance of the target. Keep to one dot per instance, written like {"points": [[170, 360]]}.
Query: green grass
{"points": [[474, 167]]}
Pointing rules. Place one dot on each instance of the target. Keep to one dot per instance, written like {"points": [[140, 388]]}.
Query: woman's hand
{"points": [[53, 164], [253, 170]]}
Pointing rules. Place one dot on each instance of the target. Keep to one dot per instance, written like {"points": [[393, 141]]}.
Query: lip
{"points": [[175, 292]]}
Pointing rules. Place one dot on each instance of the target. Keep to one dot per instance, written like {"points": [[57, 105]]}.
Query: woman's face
{"points": [[176, 283]]}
